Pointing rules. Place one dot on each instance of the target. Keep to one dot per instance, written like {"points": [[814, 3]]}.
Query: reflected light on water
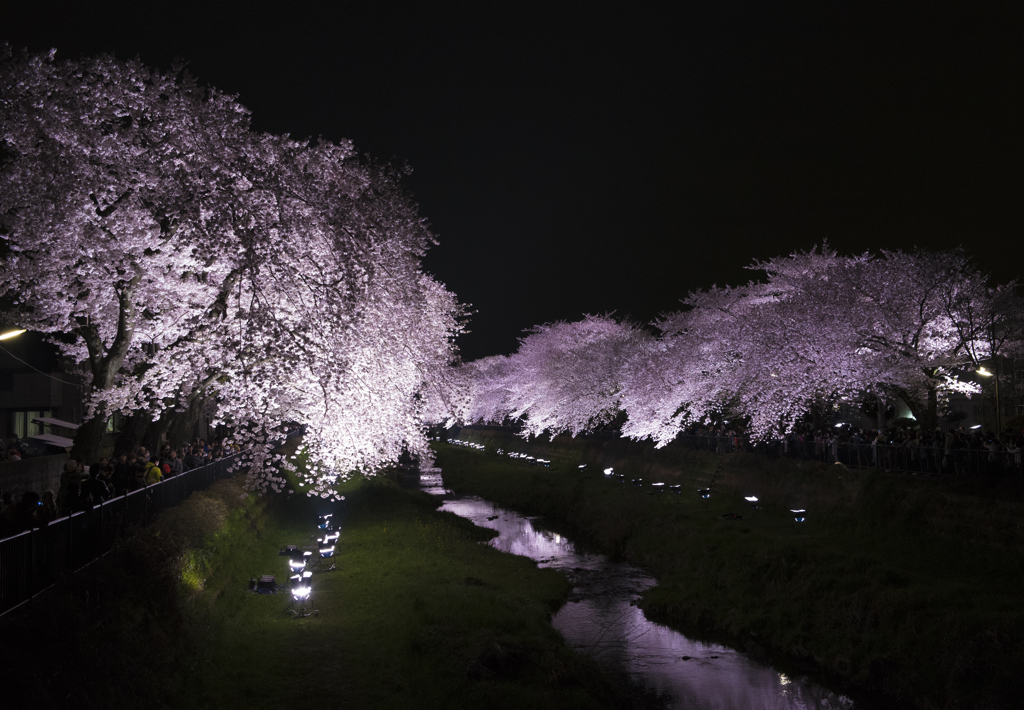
{"points": [[602, 619]]}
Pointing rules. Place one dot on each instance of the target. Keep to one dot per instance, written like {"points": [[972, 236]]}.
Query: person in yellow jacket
{"points": [[153, 473]]}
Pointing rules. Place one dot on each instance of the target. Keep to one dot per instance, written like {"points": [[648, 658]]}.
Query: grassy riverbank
{"points": [[902, 587], [418, 614]]}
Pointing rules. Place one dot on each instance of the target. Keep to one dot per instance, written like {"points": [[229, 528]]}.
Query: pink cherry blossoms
{"points": [[189, 256], [820, 329]]}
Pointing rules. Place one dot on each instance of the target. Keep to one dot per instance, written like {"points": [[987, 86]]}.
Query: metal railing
{"points": [[34, 560], [931, 459]]}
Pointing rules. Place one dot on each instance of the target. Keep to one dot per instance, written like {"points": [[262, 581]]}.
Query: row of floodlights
{"points": [[533, 461], [705, 493], [300, 568]]}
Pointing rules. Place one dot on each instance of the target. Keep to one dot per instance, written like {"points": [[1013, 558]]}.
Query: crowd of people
{"points": [[955, 451], [84, 486]]}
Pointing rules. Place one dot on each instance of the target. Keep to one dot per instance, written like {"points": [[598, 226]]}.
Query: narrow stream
{"points": [[602, 620]]}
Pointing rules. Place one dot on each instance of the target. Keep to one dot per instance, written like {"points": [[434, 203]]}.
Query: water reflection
{"points": [[601, 619]]}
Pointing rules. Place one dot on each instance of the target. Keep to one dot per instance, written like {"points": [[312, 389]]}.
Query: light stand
{"points": [[301, 591]]}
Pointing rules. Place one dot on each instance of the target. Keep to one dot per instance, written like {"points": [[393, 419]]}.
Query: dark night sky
{"points": [[594, 160]]}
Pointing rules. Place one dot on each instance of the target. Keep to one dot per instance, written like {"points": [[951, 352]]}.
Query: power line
{"points": [[73, 384]]}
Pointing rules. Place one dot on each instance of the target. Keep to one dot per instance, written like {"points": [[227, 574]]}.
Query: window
{"points": [[24, 427]]}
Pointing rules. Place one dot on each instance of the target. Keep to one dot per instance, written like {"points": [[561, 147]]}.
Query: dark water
{"points": [[601, 619]]}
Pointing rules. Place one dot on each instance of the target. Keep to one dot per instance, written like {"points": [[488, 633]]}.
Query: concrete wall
{"points": [[41, 473]]}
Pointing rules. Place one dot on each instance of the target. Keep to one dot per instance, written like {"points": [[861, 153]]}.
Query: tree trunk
{"points": [[89, 439], [183, 427], [132, 432], [931, 415]]}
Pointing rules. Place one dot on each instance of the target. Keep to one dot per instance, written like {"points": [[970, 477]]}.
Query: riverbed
{"points": [[601, 618]]}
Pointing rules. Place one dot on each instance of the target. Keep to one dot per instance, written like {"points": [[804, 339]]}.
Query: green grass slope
{"points": [[910, 589]]}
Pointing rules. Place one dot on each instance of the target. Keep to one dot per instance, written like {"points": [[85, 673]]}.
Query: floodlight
{"points": [[798, 515]]}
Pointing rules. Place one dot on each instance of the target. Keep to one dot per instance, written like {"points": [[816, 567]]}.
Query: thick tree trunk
{"points": [[927, 415], [931, 415], [132, 432], [89, 439], [183, 426], [104, 363]]}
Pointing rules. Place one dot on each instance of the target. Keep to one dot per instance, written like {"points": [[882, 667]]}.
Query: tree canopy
{"points": [[819, 330], [182, 254]]}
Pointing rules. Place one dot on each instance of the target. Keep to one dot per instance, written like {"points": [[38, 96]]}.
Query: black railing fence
{"points": [[32, 561], [930, 459]]}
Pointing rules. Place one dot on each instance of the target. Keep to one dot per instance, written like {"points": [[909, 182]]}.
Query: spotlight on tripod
{"points": [[325, 554], [301, 590]]}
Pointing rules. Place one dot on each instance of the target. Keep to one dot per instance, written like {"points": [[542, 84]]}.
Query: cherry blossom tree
{"points": [[565, 377], [820, 329], [189, 256]]}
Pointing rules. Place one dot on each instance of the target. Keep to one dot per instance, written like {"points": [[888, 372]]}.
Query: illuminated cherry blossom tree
{"points": [[565, 377], [187, 254], [818, 330]]}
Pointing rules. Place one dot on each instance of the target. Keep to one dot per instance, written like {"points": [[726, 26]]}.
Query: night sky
{"points": [[597, 160]]}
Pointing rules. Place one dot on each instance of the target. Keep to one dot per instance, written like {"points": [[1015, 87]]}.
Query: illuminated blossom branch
{"points": [[819, 330], [187, 254], [565, 377]]}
